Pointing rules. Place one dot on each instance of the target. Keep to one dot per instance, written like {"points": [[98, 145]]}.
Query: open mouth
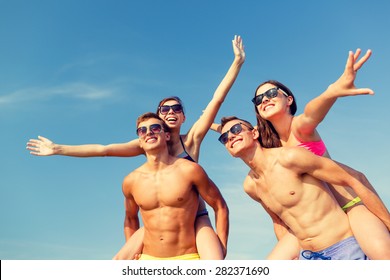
{"points": [[235, 142], [171, 119], [151, 139], [268, 106]]}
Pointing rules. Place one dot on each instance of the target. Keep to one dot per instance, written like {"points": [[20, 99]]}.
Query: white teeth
{"points": [[267, 107], [151, 140], [235, 142]]}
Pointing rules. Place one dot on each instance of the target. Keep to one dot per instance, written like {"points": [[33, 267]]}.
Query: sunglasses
{"points": [[164, 109], [153, 128], [235, 129], [271, 93]]}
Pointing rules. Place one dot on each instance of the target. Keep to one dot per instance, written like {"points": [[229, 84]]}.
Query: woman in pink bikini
{"points": [[275, 107]]}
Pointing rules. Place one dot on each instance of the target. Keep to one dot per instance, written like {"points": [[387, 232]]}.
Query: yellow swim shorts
{"points": [[187, 257]]}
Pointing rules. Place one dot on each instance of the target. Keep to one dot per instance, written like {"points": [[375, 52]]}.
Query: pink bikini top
{"points": [[316, 147]]}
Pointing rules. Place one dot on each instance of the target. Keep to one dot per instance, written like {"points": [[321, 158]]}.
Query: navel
{"points": [[292, 193]]}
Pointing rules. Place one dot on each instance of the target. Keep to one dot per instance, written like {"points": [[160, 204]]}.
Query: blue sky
{"points": [[81, 72]]}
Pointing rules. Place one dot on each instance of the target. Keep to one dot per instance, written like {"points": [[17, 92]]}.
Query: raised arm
{"points": [[316, 110], [213, 197], [45, 147], [329, 171], [202, 125]]}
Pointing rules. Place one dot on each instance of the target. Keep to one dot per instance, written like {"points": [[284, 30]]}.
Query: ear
{"points": [[167, 136], [255, 133], [140, 143], [290, 100]]}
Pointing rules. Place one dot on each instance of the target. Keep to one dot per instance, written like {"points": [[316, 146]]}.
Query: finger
{"points": [[360, 63], [357, 54], [33, 142], [362, 91], [350, 60], [42, 138]]}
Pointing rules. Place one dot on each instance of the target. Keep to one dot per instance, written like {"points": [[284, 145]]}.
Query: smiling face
{"points": [[172, 112], [152, 134], [274, 101], [237, 135]]}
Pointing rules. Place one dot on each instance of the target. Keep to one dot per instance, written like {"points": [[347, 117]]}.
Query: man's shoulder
{"points": [[134, 173], [288, 156], [186, 163]]}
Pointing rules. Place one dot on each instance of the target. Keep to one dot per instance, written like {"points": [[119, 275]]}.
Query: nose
{"points": [[265, 99], [149, 131], [231, 136]]}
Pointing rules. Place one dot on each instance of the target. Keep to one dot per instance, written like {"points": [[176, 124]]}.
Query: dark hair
{"points": [[269, 138], [170, 98], [150, 115], [225, 120]]}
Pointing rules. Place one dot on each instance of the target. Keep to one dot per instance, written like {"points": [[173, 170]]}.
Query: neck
{"points": [[254, 157], [175, 136], [158, 159], [282, 126]]}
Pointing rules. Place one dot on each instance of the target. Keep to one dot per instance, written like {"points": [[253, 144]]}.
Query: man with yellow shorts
{"points": [[165, 190]]}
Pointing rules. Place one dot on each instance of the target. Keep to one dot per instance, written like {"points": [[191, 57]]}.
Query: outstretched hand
{"points": [[345, 85], [40, 147], [238, 48]]}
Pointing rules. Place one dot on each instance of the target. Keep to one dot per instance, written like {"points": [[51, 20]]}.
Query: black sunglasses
{"points": [[153, 128], [235, 129], [164, 109], [271, 93]]}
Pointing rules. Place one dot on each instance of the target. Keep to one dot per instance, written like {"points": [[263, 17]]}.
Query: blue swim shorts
{"points": [[347, 249]]}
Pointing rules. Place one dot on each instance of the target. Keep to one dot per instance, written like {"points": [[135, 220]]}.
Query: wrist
{"points": [[56, 149]]}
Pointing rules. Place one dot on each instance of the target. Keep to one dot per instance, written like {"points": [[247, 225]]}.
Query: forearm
{"points": [[228, 81], [131, 225], [216, 127], [222, 225], [316, 110], [128, 149], [88, 150]]}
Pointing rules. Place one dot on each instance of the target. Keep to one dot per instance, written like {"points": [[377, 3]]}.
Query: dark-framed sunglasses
{"points": [[156, 128], [164, 109], [271, 93], [235, 129]]}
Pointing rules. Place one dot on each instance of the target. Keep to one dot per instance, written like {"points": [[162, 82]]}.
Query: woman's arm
{"points": [[200, 128], [45, 147], [316, 110], [331, 172]]}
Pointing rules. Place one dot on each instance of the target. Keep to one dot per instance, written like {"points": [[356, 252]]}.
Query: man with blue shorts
{"points": [[289, 182]]}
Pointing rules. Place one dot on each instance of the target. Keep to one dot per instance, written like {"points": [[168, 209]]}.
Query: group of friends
{"points": [[321, 209]]}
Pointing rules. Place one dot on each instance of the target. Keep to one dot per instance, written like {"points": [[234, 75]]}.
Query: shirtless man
{"points": [[165, 190], [289, 183]]}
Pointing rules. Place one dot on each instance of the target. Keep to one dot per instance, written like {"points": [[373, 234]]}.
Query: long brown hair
{"points": [[269, 138]]}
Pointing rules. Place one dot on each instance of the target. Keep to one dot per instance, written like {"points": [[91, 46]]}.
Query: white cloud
{"points": [[82, 91]]}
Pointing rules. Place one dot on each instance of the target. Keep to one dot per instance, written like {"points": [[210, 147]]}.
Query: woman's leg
{"points": [[207, 242], [371, 234], [132, 247]]}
